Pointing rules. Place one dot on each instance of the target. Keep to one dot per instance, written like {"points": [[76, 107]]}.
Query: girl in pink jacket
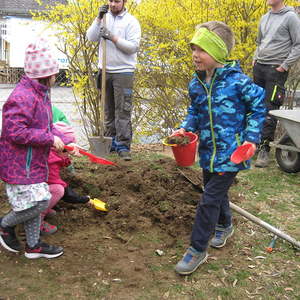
{"points": [[26, 138]]}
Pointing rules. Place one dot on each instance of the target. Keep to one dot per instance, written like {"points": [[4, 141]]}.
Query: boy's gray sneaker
{"points": [[221, 236], [190, 261]]}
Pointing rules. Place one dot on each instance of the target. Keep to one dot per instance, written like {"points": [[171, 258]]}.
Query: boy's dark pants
{"points": [[213, 209], [273, 82]]}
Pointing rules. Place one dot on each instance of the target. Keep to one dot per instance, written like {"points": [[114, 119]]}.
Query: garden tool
{"points": [[101, 145], [92, 157], [242, 153], [103, 139], [99, 204], [265, 225], [195, 185], [272, 244]]}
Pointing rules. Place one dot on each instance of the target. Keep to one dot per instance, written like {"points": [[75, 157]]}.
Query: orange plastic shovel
{"points": [[242, 153], [92, 157]]}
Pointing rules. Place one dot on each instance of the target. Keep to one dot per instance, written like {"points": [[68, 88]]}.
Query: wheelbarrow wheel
{"points": [[289, 161]]}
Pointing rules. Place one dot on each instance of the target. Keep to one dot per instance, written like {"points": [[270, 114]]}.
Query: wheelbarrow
{"points": [[287, 152]]}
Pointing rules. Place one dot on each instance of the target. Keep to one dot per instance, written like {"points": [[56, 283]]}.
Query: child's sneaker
{"points": [[221, 236], [8, 239], [84, 199], [47, 229], [191, 260], [43, 250]]}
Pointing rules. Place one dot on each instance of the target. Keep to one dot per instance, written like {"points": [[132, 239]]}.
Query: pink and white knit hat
{"points": [[39, 61]]}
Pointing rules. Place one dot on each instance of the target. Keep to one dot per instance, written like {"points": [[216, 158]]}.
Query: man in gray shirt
{"points": [[122, 33], [278, 47]]}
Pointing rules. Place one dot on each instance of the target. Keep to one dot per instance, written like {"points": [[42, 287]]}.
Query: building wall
{"points": [[20, 32]]}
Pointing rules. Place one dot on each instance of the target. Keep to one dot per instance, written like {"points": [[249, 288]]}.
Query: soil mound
{"points": [[139, 194]]}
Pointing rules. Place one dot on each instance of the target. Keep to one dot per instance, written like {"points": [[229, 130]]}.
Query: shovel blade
{"points": [[98, 204], [100, 145], [242, 153]]}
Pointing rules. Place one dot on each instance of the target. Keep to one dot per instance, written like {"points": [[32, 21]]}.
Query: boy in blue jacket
{"points": [[227, 110]]}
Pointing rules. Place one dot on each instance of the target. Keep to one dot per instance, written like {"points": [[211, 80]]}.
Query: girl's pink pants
{"points": [[57, 191]]}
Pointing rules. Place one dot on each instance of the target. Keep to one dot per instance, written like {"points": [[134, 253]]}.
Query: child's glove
{"points": [[105, 33], [102, 11]]}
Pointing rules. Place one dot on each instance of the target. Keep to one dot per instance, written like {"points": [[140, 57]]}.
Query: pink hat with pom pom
{"points": [[66, 129], [39, 61]]}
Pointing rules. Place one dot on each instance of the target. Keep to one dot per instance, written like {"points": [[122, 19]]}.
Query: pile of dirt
{"points": [[139, 194]]}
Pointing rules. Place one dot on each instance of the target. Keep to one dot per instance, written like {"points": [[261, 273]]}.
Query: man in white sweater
{"points": [[122, 33]]}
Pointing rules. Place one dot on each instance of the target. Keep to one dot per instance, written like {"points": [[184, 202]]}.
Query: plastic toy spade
{"points": [[92, 157], [98, 204], [242, 153]]}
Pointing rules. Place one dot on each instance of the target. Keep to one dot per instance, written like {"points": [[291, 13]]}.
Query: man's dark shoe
{"points": [[43, 250], [125, 155], [262, 160], [8, 239]]}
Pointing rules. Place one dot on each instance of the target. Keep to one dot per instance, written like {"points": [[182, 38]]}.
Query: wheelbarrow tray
{"points": [[290, 120]]}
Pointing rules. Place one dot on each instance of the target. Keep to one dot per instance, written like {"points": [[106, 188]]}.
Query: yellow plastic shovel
{"points": [[98, 204]]}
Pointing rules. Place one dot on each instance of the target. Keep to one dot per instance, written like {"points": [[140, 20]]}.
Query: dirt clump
{"points": [[178, 140]]}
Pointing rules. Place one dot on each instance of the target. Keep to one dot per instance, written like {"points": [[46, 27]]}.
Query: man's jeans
{"points": [[118, 109], [273, 82]]}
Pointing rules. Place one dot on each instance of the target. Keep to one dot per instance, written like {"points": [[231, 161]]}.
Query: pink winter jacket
{"points": [[56, 161]]}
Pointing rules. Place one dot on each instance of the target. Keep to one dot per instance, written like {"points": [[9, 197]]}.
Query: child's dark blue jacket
{"points": [[226, 112]]}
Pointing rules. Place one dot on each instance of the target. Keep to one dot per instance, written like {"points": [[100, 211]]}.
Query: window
{"points": [[3, 29]]}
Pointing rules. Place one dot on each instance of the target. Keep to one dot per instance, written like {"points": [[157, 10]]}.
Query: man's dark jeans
{"points": [[213, 208], [273, 82]]}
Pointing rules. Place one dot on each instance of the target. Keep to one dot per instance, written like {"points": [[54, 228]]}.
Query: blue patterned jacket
{"points": [[225, 113]]}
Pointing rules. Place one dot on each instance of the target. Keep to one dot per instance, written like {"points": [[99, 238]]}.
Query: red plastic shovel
{"points": [[92, 157], [242, 153]]}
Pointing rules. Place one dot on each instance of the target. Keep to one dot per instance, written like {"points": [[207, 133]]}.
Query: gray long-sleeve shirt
{"points": [[278, 41], [121, 56]]}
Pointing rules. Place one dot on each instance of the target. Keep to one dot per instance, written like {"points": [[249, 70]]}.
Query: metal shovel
{"points": [[101, 145], [195, 185]]}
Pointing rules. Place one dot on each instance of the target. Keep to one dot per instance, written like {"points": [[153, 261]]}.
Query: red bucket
{"points": [[185, 154]]}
